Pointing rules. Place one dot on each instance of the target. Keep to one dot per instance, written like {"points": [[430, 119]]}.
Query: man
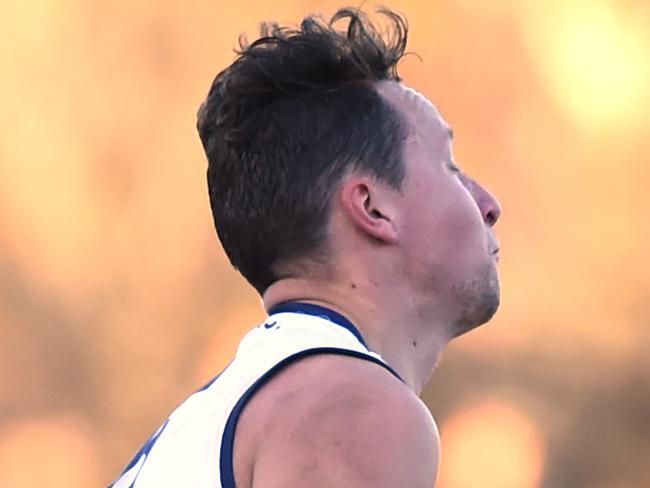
{"points": [[335, 193]]}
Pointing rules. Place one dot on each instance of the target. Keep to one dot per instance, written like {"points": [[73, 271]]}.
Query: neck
{"points": [[404, 332]]}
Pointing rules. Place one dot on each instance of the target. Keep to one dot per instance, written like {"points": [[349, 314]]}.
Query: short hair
{"points": [[296, 111]]}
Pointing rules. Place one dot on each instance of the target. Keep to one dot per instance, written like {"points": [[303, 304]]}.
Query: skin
{"points": [[412, 269]]}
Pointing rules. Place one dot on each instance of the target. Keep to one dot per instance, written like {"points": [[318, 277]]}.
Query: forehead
{"points": [[423, 116]]}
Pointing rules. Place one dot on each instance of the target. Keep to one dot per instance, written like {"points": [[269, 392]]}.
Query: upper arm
{"points": [[367, 430]]}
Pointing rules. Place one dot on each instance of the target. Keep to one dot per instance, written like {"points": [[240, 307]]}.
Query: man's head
{"points": [[313, 120], [281, 126]]}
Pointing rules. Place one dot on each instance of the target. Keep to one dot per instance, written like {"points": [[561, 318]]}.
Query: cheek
{"points": [[446, 232], [455, 219], [462, 221], [466, 231]]}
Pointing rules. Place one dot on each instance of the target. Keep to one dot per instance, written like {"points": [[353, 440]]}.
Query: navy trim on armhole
{"points": [[228, 439], [148, 446], [144, 451]]}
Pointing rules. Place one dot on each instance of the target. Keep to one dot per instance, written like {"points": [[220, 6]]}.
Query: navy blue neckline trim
{"points": [[318, 311]]}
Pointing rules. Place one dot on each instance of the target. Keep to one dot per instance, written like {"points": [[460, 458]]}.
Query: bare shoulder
{"points": [[332, 420]]}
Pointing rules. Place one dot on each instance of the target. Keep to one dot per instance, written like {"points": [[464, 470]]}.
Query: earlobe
{"points": [[362, 205]]}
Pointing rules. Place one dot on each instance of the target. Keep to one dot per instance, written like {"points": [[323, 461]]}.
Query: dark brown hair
{"points": [[281, 126]]}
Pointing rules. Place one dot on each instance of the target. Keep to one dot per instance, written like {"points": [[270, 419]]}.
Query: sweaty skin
{"points": [[411, 269]]}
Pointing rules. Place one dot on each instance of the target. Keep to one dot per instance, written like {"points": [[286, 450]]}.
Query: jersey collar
{"points": [[318, 311]]}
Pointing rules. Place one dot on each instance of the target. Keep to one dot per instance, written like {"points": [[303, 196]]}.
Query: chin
{"points": [[467, 324], [479, 301]]}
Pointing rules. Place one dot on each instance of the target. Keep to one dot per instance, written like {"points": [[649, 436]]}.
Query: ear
{"points": [[369, 208]]}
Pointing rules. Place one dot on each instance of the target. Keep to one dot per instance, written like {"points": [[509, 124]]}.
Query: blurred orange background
{"points": [[116, 300]]}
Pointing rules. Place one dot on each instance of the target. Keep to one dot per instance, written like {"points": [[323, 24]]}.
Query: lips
{"points": [[494, 244], [495, 253]]}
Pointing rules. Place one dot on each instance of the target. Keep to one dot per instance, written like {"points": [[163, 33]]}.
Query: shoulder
{"points": [[342, 421]]}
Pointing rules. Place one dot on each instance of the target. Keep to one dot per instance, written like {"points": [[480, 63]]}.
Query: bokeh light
{"points": [[47, 452], [493, 444], [596, 57]]}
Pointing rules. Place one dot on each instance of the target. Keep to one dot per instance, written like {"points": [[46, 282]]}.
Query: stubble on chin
{"points": [[477, 300]]}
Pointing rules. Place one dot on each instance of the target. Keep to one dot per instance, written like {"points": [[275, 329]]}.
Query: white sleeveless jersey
{"points": [[193, 447]]}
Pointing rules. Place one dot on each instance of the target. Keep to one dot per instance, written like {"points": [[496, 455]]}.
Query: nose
{"points": [[490, 209], [486, 202]]}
